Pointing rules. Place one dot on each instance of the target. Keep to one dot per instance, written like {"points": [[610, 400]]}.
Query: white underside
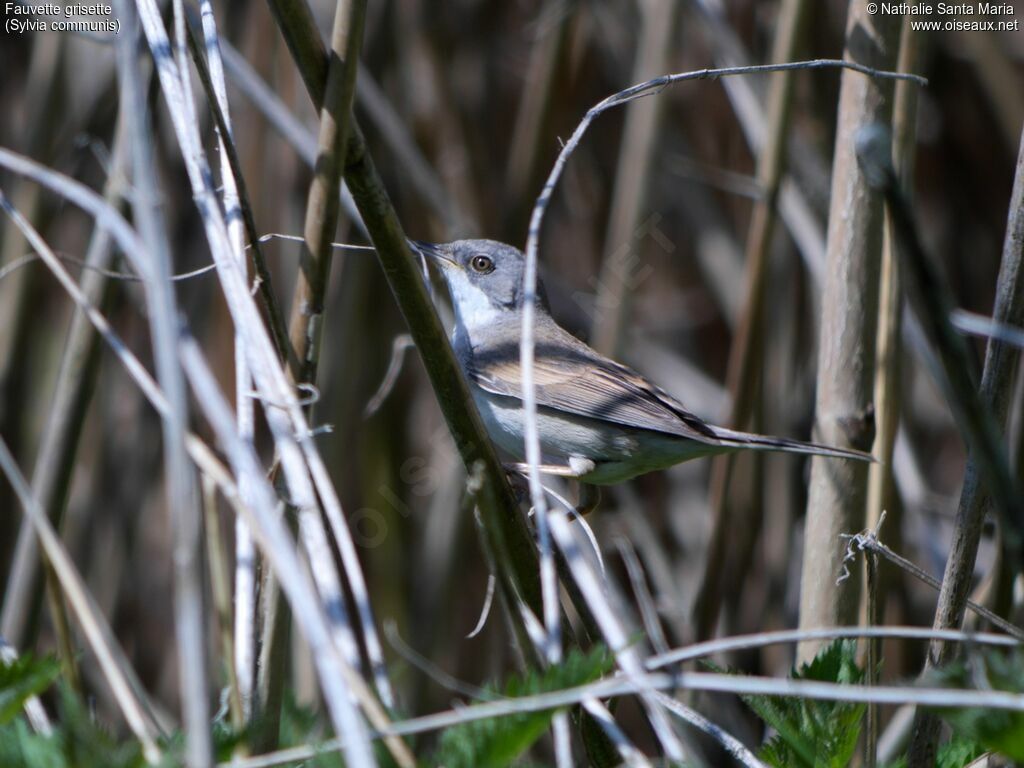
{"points": [[618, 452]]}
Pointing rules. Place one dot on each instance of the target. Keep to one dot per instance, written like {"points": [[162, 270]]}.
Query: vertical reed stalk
{"points": [[844, 410]]}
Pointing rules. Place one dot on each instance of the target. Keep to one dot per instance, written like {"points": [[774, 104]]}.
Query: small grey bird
{"points": [[599, 421]]}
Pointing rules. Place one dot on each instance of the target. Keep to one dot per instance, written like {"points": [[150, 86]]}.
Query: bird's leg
{"points": [[578, 466], [517, 476], [588, 499]]}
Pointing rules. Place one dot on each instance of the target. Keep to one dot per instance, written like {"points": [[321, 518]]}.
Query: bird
{"points": [[599, 421]]}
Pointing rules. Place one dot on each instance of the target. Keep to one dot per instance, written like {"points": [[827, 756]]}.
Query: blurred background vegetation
{"points": [[463, 105]]}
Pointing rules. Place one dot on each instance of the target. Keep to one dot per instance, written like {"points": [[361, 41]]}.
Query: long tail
{"points": [[767, 443]]}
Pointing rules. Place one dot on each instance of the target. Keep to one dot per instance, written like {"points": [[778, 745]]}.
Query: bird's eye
{"points": [[482, 264]]}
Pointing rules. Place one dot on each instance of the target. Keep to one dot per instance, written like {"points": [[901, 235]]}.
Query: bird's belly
{"points": [[561, 434], [619, 452]]}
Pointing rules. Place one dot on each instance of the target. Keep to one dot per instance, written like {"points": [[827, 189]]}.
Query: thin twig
{"points": [[399, 346], [987, 327], [648, 611], [868, 542], [730, 743], [784, 636], [432, 670], [631, 756], [872, 658], [220, 586], [890, 305], [888, 362], [698, 681], [113, 274], [306, 321]]}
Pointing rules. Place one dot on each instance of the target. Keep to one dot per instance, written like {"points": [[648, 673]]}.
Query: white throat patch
{"points": [[473, 309]]}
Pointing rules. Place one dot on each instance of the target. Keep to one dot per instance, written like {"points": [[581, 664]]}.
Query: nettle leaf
{"points": [[499, 741], [76, 742], [995, 729], [21, 748], [21, 678], [815, 734], [958, 752], [88, 744]]}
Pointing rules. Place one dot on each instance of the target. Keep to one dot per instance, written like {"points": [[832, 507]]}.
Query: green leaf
{"points": [[77, 742], [814, 734], [20, 748], [995, 729], [22, 678], [499, 741], [956, 753]]}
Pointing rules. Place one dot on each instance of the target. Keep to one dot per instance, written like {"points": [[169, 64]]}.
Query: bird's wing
{"points": [[574, 378]]}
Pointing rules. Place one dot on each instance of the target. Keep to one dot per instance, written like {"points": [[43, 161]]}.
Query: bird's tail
{"points": [[766, 443]]}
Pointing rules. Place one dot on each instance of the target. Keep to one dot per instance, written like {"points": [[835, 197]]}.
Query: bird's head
{"points": [[484, 278]]}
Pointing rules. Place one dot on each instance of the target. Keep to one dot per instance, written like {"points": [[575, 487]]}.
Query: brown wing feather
{"points": [[572, 377]]}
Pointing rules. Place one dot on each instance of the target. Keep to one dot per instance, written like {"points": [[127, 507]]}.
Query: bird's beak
{"points": [[436, 253]]}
